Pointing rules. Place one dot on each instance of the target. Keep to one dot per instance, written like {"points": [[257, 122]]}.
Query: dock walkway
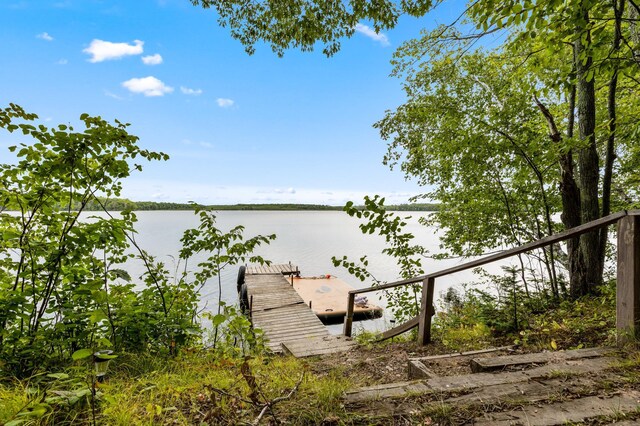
{"points": [[287, 321]]}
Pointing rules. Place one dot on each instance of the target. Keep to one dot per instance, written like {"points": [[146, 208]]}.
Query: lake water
{"points": [[305, 238]]}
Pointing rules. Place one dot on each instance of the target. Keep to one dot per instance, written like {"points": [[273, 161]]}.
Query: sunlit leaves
{"points": [[54, 267], [81, 354], [471, 133], [402, 301], [302, 24]]}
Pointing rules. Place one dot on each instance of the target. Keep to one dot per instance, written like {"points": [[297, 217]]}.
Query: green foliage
{"points": [[63, 291], [160, 317], [404, 301], [479, 318], [194, 388], [55, 398], [224, 249], [303, 23], [586, 322], [499, 302], [233, 335], [473, 135], [55, 269]]}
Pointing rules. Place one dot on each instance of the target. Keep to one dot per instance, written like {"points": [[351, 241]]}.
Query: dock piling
{"points": [[348, 319]]}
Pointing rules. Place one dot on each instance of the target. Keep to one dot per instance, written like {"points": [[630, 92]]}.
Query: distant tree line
{"points": [[119, 204]]}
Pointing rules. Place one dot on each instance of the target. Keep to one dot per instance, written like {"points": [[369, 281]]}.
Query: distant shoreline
{"points": [[119, 204]]}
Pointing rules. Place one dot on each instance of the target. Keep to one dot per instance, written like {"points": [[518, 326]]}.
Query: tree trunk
{"points": [[590, 272], [569, 191], [618, 9], [571, 199]]}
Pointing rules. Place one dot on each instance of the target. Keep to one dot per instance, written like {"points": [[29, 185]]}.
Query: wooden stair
{"points": [[551, 391]]}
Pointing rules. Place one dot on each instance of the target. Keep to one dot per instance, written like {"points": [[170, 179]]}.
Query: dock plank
{"points": [[280, 269], [288, 323]]}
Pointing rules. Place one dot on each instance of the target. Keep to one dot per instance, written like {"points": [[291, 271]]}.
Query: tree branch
{"points": [[268, 405]]}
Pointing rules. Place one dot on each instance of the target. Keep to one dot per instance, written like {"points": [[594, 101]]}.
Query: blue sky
{"points": [[238, 128]]}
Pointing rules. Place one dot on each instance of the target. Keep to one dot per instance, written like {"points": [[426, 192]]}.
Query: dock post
{"points": [[348, 319], [628, 281], [424, 322]]}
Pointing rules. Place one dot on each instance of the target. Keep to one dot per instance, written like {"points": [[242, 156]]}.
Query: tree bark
{"points": [[589, 273], [571, 199], [569, 191], [618, 10]]}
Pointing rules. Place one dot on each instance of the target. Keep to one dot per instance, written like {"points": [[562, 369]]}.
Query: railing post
{"points": [[348, 319], [426, 311], [628, 282]]}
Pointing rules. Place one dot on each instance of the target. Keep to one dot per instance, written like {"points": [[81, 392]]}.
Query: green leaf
{"points": [[59, 376], [105, 356], [81, 354], [218, 320], [103, 341], [10, 234], [97, 315]]}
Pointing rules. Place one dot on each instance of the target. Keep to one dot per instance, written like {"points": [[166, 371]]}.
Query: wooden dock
{"points": [[283, 269], [287, 321]]}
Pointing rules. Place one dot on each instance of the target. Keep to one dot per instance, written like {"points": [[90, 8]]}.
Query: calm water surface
{"points": [[305, 238]]}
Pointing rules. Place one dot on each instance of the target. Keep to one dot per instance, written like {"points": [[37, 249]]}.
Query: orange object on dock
{"points": [[327, 297]]}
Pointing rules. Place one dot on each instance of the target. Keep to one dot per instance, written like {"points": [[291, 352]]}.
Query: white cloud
{"points": [[148, 86], [277, 191], [45, 36], [101, 50], [152, 59], [113, 95], [62, 61], [206, 144], [372, 34], [194, 92], [224, 102]]}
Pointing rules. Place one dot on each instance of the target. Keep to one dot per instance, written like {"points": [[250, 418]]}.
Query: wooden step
{"points": [[576, 410], [501, 362], [470, 382], [317, 345]]}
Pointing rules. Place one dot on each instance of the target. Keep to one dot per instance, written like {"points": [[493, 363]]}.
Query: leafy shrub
{"points": [[55, 268], [62, 286], [233, 335], [475, 318], [404, 301]]}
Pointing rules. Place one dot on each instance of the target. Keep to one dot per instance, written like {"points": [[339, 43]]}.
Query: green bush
{"points": [[62, 286]]}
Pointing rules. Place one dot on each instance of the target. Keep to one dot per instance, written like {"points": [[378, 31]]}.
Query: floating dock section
{"points": [[326, 295], [286, 320]]}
